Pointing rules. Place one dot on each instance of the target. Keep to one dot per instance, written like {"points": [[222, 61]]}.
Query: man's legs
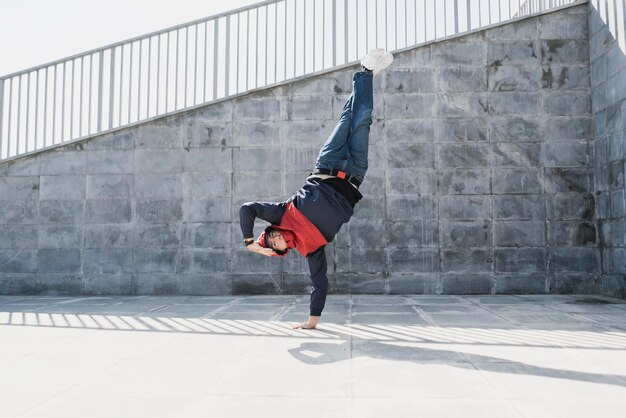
{"points": [[346, 148]]}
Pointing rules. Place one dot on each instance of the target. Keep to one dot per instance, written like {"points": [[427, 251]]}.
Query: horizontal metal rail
{"points": [[224, 55]]}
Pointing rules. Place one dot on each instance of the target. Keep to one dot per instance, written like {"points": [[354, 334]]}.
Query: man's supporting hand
{"points": [[256, 248], [310, 324]]}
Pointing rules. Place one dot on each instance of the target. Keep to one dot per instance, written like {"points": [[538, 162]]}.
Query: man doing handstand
{"points": [[312, 217]]}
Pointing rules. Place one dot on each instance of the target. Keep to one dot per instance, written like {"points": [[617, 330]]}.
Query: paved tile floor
{"points": [[391, 356]]}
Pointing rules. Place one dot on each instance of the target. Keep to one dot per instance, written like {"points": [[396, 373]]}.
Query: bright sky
{"points": [[34, 32]]}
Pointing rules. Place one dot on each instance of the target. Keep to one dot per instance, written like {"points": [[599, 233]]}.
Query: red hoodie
{"points": [[298, 232]]}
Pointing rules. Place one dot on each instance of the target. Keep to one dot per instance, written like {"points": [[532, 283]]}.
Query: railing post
{"points": [[456, 16], [100, 73], [111, 88], [1, 112], [334, 33], [469, 15]]}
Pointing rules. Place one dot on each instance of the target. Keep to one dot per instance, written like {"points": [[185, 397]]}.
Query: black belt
{"points": [[338, 173]]}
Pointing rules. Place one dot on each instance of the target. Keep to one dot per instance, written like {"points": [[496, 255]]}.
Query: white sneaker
{"points": [[377, 60]]}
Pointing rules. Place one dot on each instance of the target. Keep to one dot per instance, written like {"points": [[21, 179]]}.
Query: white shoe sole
{"points": [[377, 60]]}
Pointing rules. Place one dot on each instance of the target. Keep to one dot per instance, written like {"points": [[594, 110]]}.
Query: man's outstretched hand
{"points": [[310, 324]]}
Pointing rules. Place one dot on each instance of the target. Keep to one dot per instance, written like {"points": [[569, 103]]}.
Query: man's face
{"points": [[277, 242]]}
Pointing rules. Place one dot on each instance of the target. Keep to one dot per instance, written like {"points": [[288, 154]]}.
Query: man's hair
{"points": [[268, 230]]}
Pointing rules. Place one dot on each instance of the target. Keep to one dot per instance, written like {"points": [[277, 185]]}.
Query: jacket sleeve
{"points": [[317, 268], [248, 212]]}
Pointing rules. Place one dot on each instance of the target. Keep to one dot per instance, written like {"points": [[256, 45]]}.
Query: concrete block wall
{"points": [[608, 84], [481, 180]]}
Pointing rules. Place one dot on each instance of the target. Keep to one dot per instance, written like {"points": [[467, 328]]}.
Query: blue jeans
{"points": [[346, 148]]}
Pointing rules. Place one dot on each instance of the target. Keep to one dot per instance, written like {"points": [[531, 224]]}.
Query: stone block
{"points": [[366, 260], [316, 85], [108, 261], [59, 260], [464, 181], [108, 284], [571, 233], [567, 154], [205, 134], [18, 261], [108, 236], [461, 80], [413, 260], [411, 181], [515, 103], [520, 260], [410, 130], [407, 208], [567, 104], [18, 236], [366, 234], [60, 284], [563, 206], [155, 161], [417, 80], [562, 26], [616, 174], [467, 260], [158, 186], [405, 106], [216, 111], [466, 284], [306, 107], [573, 259], [516, 129], [257, 159], [210, 235], [517, 180], [156, 260], [18, 212], [204, 261], [207, 210], [110, 162], [463, 155], [616, 208], [502, 78], [19, 188], [157, 236], [370, 209], [18, 284], [205, 284], [109, 186], [302, 132], [516, 154], [63, 162], [413, 58], [559, 180], [161, 133], [523, 29], [292, 181], [414, 284], [244, 261], [520, 284], [515, 52], [248, 185], [159, 211], [616, 146], [199, 185], [459, 54], [615, 60], [572, 283], [462, 130], [256, 284], [564, 51], [109, 211], [519, 207], [156, 284], [121, 140], [411, 155], [411, 233], [465, 207], [519, 233], [61, 211], [360, 283], [217, 160], [64, 187], [60, 236], [565, 77], [466, 234], [462, 104], [26, 166]]}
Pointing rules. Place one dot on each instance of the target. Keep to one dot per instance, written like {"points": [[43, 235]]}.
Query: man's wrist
{"points": [[248, 241]]}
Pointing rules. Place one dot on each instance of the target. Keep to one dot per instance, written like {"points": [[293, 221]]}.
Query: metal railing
{"points": [[220, 56]]}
